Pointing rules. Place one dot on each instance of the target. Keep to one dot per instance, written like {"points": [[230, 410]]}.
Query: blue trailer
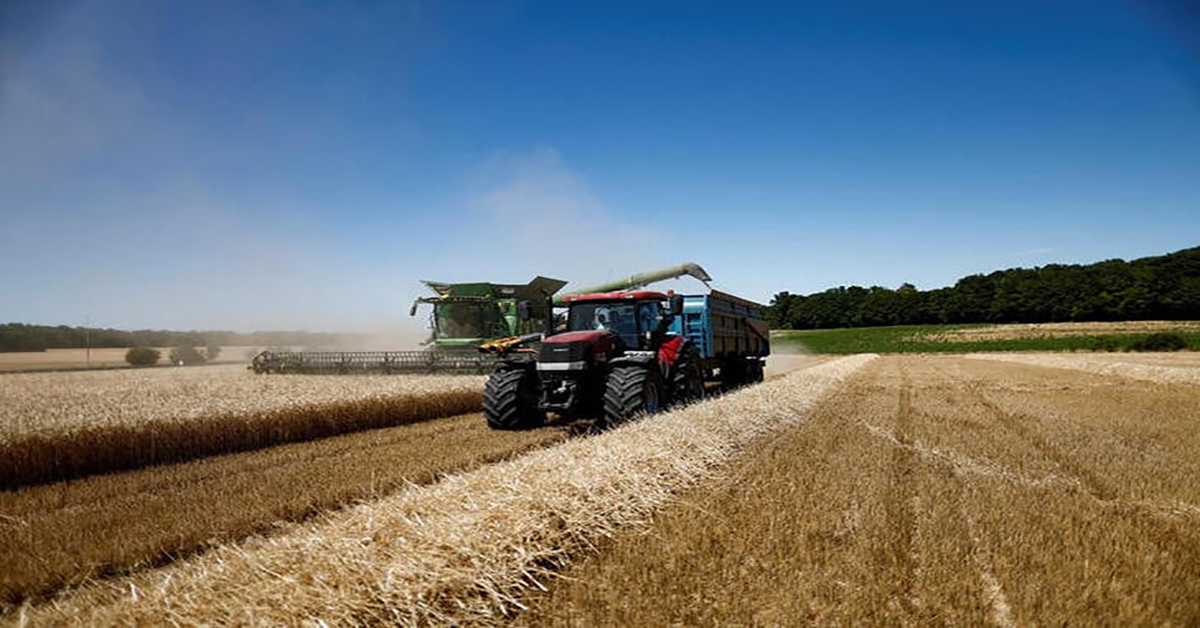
{"points": [[730, 335]]}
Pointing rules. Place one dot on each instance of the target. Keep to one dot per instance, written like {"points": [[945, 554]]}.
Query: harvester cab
{"points": [[467, 315]]}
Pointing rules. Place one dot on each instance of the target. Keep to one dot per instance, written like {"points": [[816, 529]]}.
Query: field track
{"points": [[62, 533], [929, 490]]}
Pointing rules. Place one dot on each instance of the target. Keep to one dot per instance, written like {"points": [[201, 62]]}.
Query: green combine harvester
{"points": [[464, 316]]}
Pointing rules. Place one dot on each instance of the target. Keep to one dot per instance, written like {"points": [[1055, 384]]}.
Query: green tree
{"points": [[187, 355], [143, 356]]}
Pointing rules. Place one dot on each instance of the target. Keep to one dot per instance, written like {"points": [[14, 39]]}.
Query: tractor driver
{"points": [[602, 318]]}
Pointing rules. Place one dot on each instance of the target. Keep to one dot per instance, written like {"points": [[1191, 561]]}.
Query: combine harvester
{"points": [[464, 317], [626, 354]]}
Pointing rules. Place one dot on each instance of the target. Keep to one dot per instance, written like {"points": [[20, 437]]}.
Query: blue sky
{"points": [[255, 165]]}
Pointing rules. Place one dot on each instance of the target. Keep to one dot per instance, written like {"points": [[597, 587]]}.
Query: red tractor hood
{"points": [[589, 336]]}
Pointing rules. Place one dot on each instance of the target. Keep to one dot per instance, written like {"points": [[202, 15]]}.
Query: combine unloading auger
{"points": [[465, 316]]}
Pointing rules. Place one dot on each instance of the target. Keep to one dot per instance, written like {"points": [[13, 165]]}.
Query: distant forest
{"points": [[20, 337], [1165, 287]]}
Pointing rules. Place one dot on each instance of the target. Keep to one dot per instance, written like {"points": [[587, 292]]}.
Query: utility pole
{"points": [[87, 338]]}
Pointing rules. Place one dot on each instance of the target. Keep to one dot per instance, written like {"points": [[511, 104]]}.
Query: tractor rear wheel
{"points": [[510, 400], [631, 392], [687, 377]]}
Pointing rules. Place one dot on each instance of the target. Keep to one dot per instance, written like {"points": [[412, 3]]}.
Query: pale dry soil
{"points": [[929, 490], [65, 533]]}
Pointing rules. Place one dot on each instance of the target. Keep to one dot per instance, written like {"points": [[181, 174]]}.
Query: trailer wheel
{"points": [[687, 378], [756, 372], [631, 392], [510, 400]]}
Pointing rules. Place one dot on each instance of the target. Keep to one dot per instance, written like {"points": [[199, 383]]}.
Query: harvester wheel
{"points": [[630, 392], [510, 400], [687, 378]]}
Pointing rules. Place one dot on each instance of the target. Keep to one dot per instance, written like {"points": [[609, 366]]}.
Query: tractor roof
{"points": [[636, 295]]}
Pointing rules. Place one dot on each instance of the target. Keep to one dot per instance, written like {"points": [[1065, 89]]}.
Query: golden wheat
{"points": [[63, 425], [463, 548]]}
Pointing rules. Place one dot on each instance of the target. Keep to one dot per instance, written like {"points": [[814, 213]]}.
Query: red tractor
{"points": [[625, 354]]}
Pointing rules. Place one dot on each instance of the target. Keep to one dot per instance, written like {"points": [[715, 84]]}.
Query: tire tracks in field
{"points": [[901, 503], [1161, 521], [1085, 479]]}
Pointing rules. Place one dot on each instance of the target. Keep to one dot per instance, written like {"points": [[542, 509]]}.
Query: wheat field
{"points": [[58, 426], [897, 490]]}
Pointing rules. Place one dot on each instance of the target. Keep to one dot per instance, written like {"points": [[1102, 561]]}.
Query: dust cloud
{"points": [[787, 357]]}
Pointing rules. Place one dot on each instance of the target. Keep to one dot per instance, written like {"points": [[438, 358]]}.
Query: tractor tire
{"points": [[510, 400], [755, 373], [687, 377], [734, 372], [631, 392]]}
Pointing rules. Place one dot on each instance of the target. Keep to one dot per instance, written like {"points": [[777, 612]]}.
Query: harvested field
{"points": [[56, 426], [64, 533], [929, 491], [465, 547], [1160, 368], [1056, 330]]}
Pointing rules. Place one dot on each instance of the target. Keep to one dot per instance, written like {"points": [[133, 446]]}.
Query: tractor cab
{"points": [[636, 318]]}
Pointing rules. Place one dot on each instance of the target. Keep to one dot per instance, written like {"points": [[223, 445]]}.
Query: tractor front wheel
{"points": [[510, 400], [631, 392]]}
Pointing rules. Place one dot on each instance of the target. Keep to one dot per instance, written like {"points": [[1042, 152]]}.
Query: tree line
{"points": [[22, 337], [1165, 287]]}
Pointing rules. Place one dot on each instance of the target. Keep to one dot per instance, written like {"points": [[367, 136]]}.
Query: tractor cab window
{"points": [[650, 313], [619, 318]]}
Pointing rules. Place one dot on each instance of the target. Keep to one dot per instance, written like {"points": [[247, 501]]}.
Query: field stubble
{"points": [[929, 490]]}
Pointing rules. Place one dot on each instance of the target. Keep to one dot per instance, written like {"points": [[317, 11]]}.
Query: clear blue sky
{"points": [[254, 165]]}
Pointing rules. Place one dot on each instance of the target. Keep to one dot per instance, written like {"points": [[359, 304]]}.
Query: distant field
{"points": [[1108, 336], [53, 359]]}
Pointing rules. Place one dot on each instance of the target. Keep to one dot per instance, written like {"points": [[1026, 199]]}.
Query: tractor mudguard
{"points": [[641, 358]]}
